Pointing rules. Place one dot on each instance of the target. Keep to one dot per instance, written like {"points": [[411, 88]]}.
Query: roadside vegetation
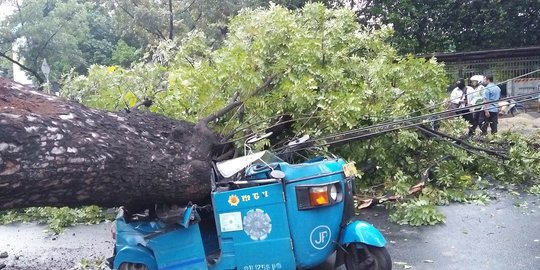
{"points": [[56, 218]]}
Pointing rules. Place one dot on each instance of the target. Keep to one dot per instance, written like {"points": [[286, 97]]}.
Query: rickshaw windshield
{"points": [[231, 167]]}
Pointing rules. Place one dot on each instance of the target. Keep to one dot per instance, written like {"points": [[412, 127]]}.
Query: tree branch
{"points": [[19, 12], [231, 105], [33, 72], [413, 190], [47, 43], [160, 34], [234, 103], [125, 10], [171, 26], [196, 21], [187, 9], [146, 102], [431, 132], [188, 6], [157, 33]]}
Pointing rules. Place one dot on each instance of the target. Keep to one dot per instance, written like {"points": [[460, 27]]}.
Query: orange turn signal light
{"points": [[318, 196]]}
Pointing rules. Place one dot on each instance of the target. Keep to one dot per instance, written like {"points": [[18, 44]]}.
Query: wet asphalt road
{"points": [[505, 234], [496, 236], [29, 247]]}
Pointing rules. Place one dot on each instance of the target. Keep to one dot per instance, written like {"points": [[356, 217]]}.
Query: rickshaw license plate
{"points": [[350, 170]]}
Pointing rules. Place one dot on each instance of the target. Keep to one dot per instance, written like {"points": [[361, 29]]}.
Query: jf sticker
{"points": [[257, 224], [320, 237], [234, 200]]}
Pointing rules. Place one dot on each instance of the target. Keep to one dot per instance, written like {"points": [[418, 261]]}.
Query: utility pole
{"points": [[46, 71]]}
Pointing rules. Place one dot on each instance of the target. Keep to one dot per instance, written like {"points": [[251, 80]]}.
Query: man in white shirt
{"points": [[458, 99], [455, 98], [475, 96]]}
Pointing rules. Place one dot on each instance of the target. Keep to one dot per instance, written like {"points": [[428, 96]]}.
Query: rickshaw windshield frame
{"points": [[229, 168]]}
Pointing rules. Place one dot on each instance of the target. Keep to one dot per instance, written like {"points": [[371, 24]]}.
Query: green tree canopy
{"points": [[448, 26], [319, 66], [152, 21], [76, 34], [320, 62], [70, 34], [52, 30], [315, 62]]}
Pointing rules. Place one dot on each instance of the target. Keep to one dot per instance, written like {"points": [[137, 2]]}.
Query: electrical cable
{"points": [[424, 119], [421, 117], [500, 83], [382, 123], [529, 173]]}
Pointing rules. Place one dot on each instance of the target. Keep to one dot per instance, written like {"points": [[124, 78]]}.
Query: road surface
{"points": [[505, 234]]}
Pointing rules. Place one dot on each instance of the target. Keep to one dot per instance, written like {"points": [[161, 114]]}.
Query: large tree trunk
{"points": [[59, 153]]}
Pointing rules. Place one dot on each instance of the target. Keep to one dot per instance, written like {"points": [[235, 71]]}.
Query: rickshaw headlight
{"points": [[314, 196], [318, 196], [333, 192]]}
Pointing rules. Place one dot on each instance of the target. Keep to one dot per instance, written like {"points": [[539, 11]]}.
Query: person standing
{"points": [[475, 96], [538, 97], [538, 109], [458, 99], [466, 113], [457, 96], [490, 115]]}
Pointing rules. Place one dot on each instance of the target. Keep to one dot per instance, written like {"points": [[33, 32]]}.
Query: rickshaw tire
{"points": [[132, 266], [367, 258]]}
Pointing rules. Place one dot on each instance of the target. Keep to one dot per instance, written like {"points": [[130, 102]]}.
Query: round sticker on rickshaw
{"points": [[257, 224], [234, 200]]}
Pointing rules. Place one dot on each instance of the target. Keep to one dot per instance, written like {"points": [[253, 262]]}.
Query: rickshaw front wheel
{"points": [[132, 266], [367, 258]]}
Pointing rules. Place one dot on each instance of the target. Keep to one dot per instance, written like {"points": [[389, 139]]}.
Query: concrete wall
{"points": [[525, 86]]}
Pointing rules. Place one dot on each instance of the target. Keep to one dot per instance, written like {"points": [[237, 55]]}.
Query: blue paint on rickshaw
{"points": [[259, 220]]}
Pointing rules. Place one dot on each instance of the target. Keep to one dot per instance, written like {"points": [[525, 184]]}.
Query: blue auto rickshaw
{"points": [[265, 214]]}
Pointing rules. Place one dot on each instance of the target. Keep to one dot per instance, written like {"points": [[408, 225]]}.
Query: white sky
{"points": [[5, 9]]}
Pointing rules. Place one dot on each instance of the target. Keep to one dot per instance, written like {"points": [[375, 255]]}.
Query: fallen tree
{"points": [[55, 152], [316, 66]]}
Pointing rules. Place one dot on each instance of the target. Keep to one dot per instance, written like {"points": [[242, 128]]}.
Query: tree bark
{"points": [[55, 152], [171, 20]]}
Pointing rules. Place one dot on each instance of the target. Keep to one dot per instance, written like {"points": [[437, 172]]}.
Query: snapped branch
{"points": [[434, 133], [33, 72], [235, 102]]}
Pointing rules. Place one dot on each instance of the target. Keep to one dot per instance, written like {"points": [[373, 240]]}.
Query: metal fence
{"points": [[504, 64], [502, 69]]}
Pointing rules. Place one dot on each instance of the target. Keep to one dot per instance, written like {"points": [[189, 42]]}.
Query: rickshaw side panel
{"points": [[314, 231], [253, 229], [179, 248], [159, 246]]}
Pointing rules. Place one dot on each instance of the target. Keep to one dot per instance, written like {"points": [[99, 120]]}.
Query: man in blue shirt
{"points": [[492, 93]]}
